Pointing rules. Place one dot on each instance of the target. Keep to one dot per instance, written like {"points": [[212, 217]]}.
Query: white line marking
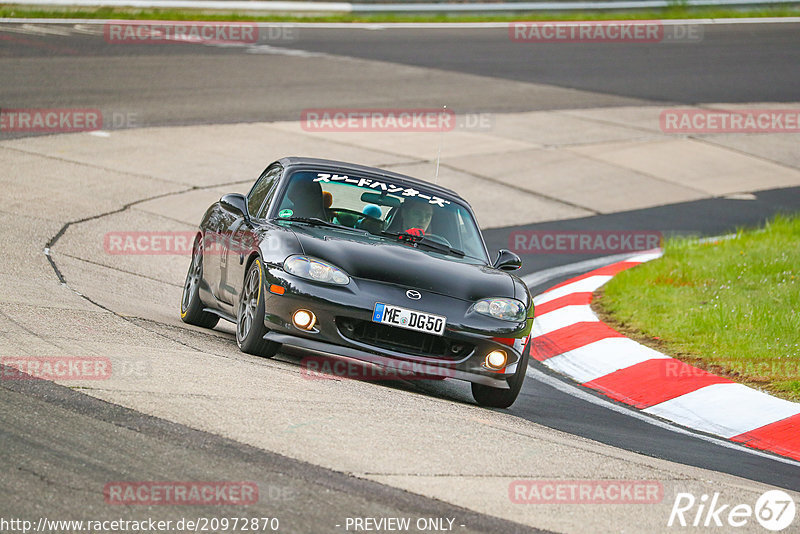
{"points": [[587, 285], [725, 410], [646, 256], [562, 317], [602, 357], [572, 391], [705, 410], [282, 51], [87, 29], [35, 29]]}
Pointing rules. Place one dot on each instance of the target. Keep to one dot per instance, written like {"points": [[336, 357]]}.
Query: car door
{"points": [[215, 227], [240, 234]]}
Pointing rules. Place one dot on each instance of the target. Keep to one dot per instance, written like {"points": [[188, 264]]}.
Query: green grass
{"points": [[731, 307], [675, 12]]}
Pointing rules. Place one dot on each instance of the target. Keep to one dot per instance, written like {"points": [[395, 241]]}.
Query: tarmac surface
{"points": [[187, 405]]}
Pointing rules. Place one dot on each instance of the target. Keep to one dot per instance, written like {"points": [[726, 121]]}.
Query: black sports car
{"points": [[362, 263]]}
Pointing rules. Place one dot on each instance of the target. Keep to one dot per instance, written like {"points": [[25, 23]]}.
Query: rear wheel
{"points": [[250, 329], [503, 398], [191, 306]]}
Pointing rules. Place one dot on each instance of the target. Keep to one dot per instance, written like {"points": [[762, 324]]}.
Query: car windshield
{"points": [[388, 208]]}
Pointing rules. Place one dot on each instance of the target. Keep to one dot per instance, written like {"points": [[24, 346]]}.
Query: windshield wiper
{"points": [[441, 247], [425, 241], [316, 221]]}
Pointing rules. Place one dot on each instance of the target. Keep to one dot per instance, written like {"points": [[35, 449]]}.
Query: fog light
{"points": [[304, 319], [495, 359]]}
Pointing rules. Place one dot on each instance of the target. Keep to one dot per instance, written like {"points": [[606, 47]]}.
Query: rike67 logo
{"points": [[774, 510]]}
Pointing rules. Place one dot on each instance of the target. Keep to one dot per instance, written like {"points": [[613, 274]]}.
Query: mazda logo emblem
{"points": [[413, 295]]}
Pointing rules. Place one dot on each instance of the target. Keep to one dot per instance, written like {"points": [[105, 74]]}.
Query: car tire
{"points": [[191, 305], [250, 329], [490, 397]]}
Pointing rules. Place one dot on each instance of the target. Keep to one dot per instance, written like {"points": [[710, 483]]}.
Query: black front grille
{"points": [[402, 340]]}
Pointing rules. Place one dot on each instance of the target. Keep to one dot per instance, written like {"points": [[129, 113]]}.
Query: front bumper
{"points": [[338, 306]]}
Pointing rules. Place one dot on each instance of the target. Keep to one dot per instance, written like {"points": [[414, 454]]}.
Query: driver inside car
{"points": [[415, 216]]}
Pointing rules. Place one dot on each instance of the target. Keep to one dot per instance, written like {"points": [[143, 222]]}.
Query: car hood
{"points": [[381, 259]]}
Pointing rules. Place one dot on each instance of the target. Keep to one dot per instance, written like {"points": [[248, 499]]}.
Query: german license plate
{"points": [[411, 319]]}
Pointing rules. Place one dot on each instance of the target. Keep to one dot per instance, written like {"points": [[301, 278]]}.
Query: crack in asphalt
{"points": [[53, 483], [117, 269], [28, 330], [53, 240]]}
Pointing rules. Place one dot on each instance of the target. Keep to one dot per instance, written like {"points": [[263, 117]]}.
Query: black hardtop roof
{"points": [[353, 167]]}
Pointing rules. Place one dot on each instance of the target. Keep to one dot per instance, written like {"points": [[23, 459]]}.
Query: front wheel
{"points": [[250, 327], [191, 306], [503, 398]]}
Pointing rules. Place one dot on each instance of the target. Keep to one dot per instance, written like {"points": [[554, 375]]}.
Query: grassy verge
{"points": [[677, 12], [731, 307]]}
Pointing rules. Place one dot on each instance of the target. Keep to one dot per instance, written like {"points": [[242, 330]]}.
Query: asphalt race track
{"points": [[167, 84], [323, 452]]}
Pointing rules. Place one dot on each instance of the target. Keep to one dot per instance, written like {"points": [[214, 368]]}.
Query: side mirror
{"points": [[507, 261], [237, 203]]}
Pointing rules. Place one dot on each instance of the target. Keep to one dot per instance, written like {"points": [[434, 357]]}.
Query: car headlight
{"points": [[502, 308], [316, 270]]}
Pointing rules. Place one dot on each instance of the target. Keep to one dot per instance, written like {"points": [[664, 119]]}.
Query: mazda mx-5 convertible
{"points": [[362, 263]]}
